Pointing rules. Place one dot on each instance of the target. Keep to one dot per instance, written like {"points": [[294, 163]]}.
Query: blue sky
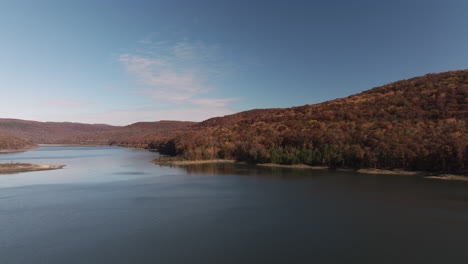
{"points": [[120, 62]]}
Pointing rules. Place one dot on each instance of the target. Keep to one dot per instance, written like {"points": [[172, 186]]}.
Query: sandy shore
{"points": [[6, 168], [294, 166], [448, 177], [190, 162]]}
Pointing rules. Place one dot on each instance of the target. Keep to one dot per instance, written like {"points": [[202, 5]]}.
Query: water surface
{"points": [[110, 205]]}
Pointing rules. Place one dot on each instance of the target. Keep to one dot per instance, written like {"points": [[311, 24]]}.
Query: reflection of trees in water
{"points": [[246, 169]]}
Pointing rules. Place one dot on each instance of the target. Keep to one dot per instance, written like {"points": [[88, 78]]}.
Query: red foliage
{"points": [[13, 143], [415, 124]]}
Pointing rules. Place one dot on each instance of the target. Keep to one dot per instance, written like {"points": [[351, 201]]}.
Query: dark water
{"points": [[110, 205]]}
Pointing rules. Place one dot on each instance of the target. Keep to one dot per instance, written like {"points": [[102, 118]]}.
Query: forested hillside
{"points": [[140, 134], [135, 135], [8, 143], [415, 124], [47, 132]]}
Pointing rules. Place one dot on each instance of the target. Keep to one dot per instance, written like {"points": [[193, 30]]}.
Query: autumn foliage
{"points": [[90, 134], [415, 124], [138, 135], [13, 143], [47, 132]]}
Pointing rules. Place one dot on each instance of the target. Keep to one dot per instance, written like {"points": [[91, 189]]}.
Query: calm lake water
{"points": [[110, 205]]}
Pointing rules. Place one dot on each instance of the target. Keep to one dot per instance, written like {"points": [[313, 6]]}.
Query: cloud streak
{"points": [[63, 103], [177, 74]]}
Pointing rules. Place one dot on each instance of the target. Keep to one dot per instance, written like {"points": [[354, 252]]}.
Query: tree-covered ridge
{"points": [[9, 143], [90, 134], [415, 124], [47, 132], [135, 135]]}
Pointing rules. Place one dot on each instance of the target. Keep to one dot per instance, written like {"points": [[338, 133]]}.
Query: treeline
{"points": [[415, 124]]}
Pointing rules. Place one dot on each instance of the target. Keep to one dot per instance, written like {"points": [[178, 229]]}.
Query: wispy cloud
{"points": [[63, 103], [178, 74]]}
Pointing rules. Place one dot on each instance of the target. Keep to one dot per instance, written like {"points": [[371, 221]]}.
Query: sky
{"points": [[121, 62]]}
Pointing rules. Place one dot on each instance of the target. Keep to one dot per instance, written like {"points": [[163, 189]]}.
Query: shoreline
{"points": [[11, 168], [390, 172], [189, 162], [72, 145], [176, 162], [18, 150], [448, 177], [170, 161]]}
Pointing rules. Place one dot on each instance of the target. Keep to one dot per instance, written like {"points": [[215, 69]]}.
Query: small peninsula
{"points": [[9, 168]]}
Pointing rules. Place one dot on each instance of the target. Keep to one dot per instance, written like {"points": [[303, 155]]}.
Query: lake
{"points": [[111, 205]]}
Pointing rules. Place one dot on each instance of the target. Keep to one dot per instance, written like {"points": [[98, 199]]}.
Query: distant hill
{"points": [[47, 132], [135, 135], [415, 124]]}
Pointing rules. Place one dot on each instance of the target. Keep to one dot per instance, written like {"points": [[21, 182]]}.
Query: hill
{"points": [[47, 132], [8, 143], [135, 135], [415, 124]]}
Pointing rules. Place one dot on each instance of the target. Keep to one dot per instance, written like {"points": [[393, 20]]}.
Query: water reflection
{"points": [[216, 169]]}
